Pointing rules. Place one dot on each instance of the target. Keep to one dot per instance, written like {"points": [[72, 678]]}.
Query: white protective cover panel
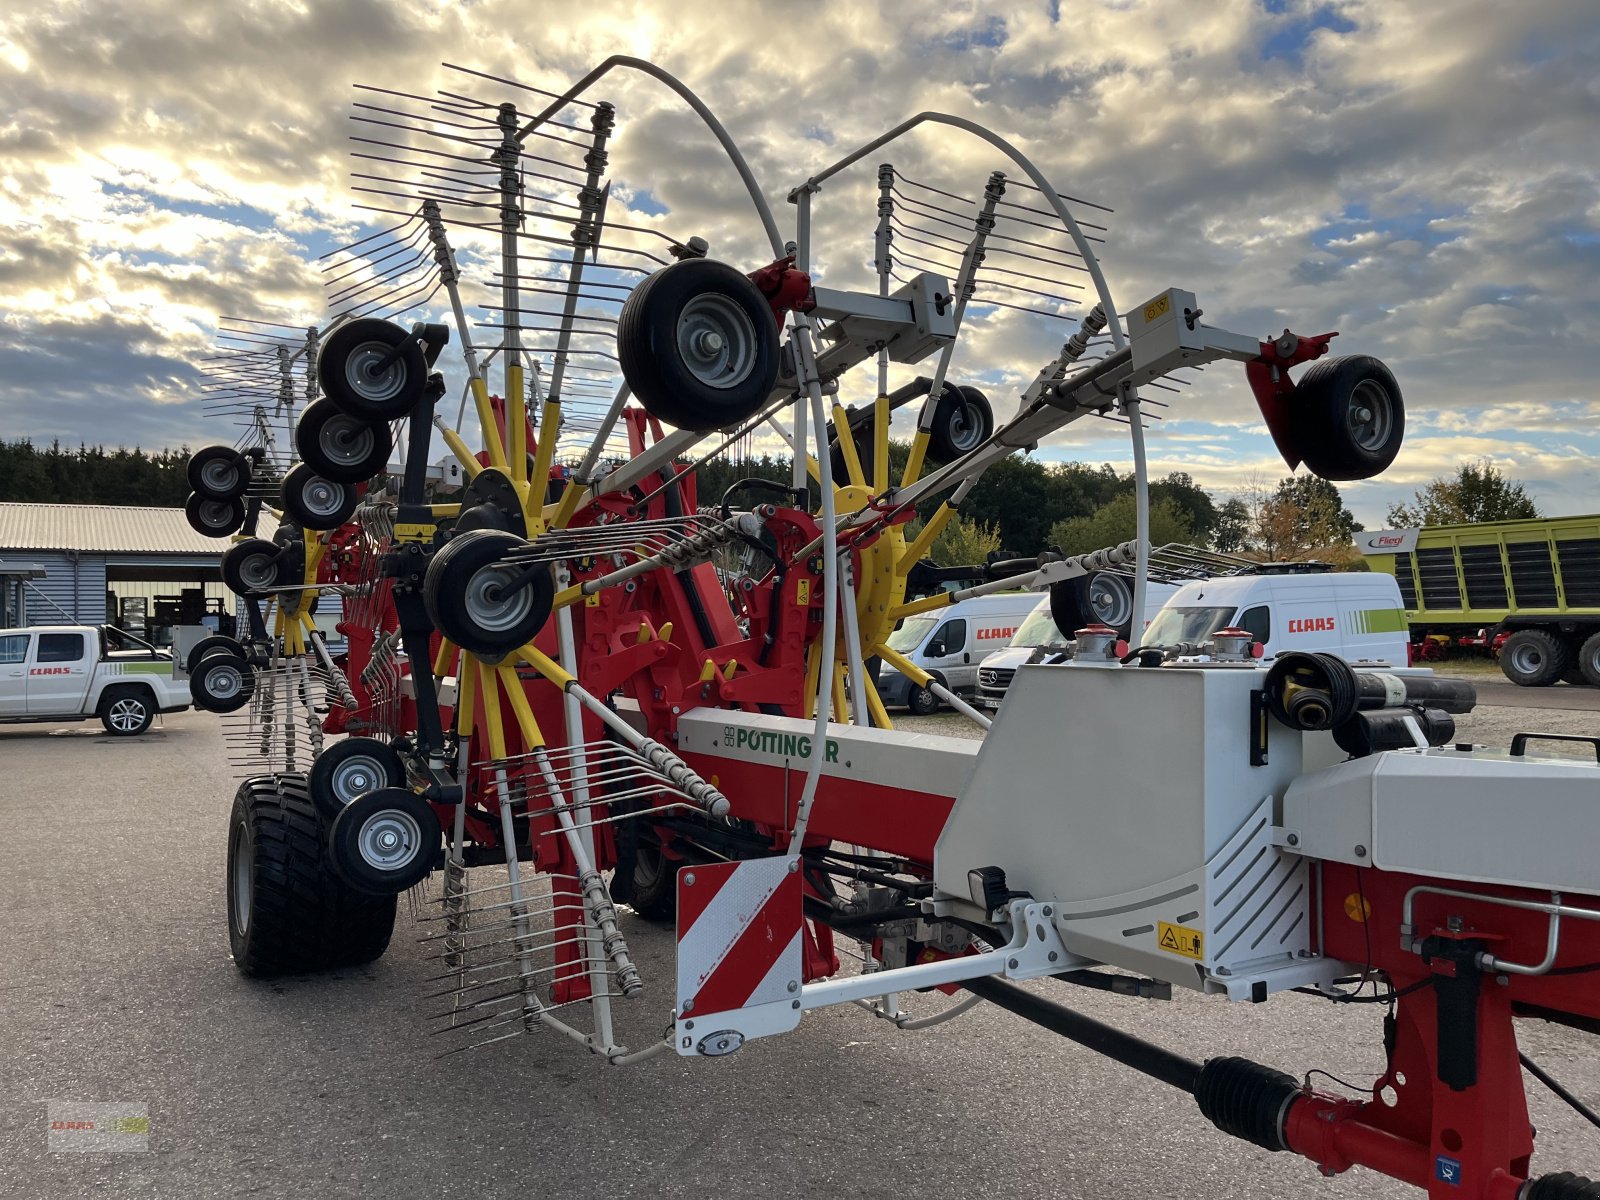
{"points": [[1470, 816]]}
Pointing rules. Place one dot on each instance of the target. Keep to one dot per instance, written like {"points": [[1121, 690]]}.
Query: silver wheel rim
{"points": [[258, 571], [322, 497], [1111, 600], [1371, 415], [389, 840], [366, 381], [356, 776], [966, 429], [1526, 659], [126, 715], [346, 441], [224, 682], [220, 475], [490, 606], [216, 514], [244, 861], [717, 341]]}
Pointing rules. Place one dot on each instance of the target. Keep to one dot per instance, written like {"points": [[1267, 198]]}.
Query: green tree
{"points": [[1303, 516], [1232, 531], [1114, 523], [962, 542], [1477, 492]]}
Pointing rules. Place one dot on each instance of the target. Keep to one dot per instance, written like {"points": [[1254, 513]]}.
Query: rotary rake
{"points": [[555, 700]]}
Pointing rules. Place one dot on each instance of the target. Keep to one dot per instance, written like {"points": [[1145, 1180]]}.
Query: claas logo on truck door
{"points": [[1006, 632], [1311, 625], [51, 671]]}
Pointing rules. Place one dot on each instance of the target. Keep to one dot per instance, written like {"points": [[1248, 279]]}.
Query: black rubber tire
{"points": [[206, 645], [129, 706], [454, 594], [921, 701], [1589, 659], [963, 420], [864, 452], [1322, 422], [218, 473], [300, 916], [650, 350], [1564, 1185], [1574, 675], [222, 682], [316, 502], [210, 517], [393, 812], [353, 767], [360, 344], [1073, 604], [654, 895], [1534, 658], [342, 447], [250, 568]]}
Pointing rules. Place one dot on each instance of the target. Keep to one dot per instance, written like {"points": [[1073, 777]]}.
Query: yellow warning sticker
{"points": [[1180, 939], [1159, 307], [802, 591]]}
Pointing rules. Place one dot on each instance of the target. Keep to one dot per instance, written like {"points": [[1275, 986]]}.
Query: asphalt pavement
{"points": [[116, 986]]}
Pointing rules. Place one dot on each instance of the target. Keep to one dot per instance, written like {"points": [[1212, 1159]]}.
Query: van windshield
{"points": [[1192, 625], [1039, 630], [909, 636]]}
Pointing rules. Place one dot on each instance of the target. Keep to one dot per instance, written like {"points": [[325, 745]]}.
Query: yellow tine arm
{"points": [[519, 705], [466, 694], [926, 604], [930, 531]]}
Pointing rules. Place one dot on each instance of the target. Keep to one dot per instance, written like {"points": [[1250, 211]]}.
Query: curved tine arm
{"points": [[763, 209], [1113, 322]]}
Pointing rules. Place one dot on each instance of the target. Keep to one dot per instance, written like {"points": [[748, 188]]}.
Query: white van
{"points": [[1039, 635], [949, 643], [1357, 615]]}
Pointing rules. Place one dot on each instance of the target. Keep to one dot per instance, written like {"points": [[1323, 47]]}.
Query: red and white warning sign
{"points": [[739, 953]]}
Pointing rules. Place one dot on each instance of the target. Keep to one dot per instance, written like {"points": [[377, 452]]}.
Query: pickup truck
{"points": [[69, 673]]}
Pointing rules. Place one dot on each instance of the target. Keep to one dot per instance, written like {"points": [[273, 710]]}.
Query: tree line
{"points": [[1021, 506]]}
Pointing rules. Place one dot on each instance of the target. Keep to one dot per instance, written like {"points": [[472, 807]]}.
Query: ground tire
{"points": [[298, 915], [210, 517], [458, 593], [921, 701], [962, 421], [222, 682], [342, 447], [127, 711], [351, 768], [1325, 425], [385, 841], [1589, 659], [654, 895], [316, 502], [344, 368], [698, 345], [218, 473], [1534, 658], [251, 567]]}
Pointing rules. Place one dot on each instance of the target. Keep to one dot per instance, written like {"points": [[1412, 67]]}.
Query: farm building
{"points": [[142, 569]]}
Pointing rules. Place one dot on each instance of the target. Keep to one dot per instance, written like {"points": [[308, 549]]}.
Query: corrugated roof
{"points": [[101, 529]]}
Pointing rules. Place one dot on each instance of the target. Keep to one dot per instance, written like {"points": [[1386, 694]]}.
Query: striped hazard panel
{"points": [[739, 939]]}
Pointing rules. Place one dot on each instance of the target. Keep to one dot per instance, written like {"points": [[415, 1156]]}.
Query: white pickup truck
{"points": [[68, 673]]}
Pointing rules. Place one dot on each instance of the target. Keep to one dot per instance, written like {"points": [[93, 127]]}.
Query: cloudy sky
{"points": [[1420, 175]]}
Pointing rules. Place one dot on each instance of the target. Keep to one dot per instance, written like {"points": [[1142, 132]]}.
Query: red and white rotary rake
{"points": [[572, 681]]}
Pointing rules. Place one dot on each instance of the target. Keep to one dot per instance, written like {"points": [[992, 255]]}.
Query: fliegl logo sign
{"points": [[779, 745]]}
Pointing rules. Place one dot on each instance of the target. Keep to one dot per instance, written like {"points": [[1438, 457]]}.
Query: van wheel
{"points": [[922, 701], [1534, 658], [127, 711]]}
